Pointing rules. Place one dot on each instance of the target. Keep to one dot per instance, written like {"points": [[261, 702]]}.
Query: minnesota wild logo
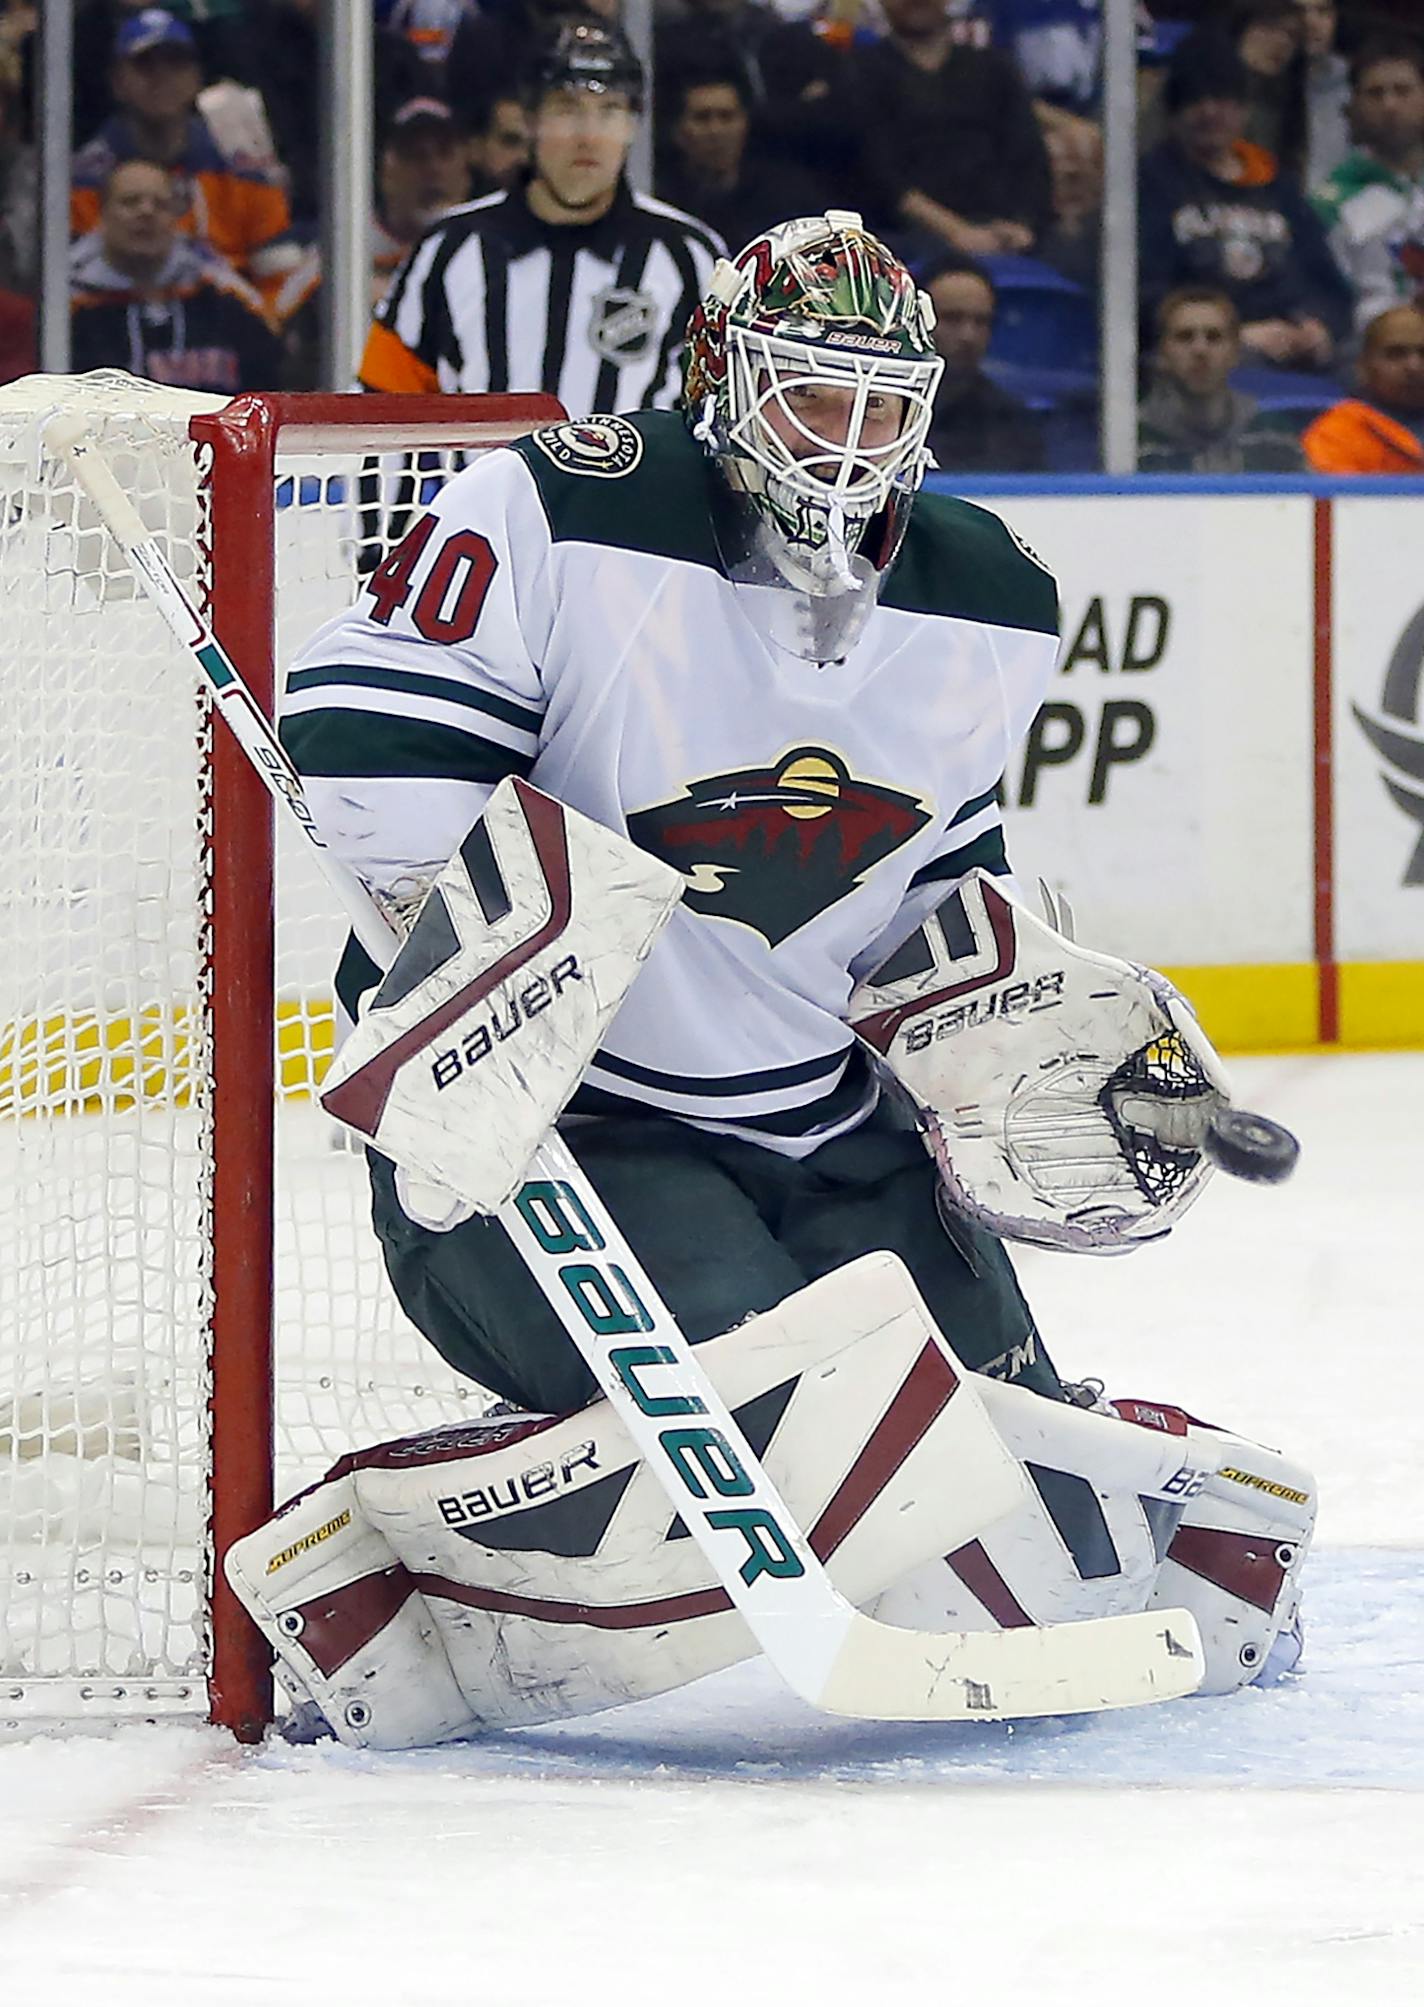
{"points": [[771, 847]]}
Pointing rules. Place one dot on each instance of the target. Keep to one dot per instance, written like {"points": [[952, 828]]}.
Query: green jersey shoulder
{"points": [[643, 483], [634, 483], [965, 563]]}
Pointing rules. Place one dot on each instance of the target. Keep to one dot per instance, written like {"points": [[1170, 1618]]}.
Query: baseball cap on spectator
{"points": [[154, 28], [1206, 65], [417, 112]]}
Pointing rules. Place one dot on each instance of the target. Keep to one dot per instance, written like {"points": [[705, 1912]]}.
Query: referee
{"points": [[570, 283]]}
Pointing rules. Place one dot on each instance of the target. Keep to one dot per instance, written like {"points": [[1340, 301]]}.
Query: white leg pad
{"points": [[1236, 1559], [325, 1588], [532, 1568], [1103, 1503]]}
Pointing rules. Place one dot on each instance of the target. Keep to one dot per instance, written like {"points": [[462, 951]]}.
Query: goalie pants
{"points": [[725, 1229]]}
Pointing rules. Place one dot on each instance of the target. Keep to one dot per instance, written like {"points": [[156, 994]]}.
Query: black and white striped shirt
{"points": [[494, 299]]}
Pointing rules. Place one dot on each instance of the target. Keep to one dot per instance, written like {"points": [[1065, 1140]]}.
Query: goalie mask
{"points": [[810, 379]]}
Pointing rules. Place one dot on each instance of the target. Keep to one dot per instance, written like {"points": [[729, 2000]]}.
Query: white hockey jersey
{"points": [[562, 612]]}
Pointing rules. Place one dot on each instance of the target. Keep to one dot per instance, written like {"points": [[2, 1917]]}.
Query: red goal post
{"points": [[168, 1175]]}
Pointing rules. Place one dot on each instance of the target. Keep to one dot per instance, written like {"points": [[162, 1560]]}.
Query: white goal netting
{"points": [[106, 1171]]}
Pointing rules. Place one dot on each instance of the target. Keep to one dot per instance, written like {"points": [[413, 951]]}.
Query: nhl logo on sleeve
{"points": [[604, 447]]}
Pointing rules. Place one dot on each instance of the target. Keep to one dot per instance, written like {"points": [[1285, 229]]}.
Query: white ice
{"points": [[726, 1845]]}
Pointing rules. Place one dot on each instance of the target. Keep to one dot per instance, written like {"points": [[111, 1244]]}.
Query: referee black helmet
{"points": [[587, 55]]}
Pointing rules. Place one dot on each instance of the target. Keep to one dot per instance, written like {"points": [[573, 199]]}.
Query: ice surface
{"points": [[727, 1845]]}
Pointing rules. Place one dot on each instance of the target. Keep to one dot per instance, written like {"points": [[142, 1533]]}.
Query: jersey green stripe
{"points": [[987, 851], [413, 684], [973, 808], [361, 745], [356, 974], [770, 1079], [821, 1113], [964, 563]]}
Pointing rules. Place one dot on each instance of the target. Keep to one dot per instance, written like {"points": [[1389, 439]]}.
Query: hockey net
{"points": [[179, 1331]]}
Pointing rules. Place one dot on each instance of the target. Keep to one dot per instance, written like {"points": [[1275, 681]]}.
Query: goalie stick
{"points": [[828, 1652]]}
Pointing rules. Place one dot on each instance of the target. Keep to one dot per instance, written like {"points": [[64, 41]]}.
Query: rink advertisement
{"points": [[1166, 785], [1227, 779], [1378, 720]]}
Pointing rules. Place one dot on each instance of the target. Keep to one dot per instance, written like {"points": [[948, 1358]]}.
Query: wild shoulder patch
{"points": [[604, 447]]}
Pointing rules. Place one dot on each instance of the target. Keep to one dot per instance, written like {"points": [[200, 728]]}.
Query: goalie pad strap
{"points": [[1239, 1563], [341, 1622]]}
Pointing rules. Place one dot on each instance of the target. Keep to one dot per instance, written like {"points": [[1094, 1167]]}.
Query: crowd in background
{"points": [[1281, 194]]}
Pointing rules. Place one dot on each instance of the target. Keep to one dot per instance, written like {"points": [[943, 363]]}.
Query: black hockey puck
{"points": [[1251, 1146]]}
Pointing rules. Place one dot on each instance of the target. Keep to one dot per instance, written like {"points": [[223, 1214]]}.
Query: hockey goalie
{"points": [[670, 744]]}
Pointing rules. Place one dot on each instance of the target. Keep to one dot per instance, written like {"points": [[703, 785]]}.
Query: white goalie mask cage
{"points": [[817, 474]]}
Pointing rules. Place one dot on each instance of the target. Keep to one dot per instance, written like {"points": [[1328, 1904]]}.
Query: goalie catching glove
{"points": [[1065, 1095]]}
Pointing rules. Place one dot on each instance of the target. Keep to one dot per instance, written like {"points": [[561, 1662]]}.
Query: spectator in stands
{"points": [[952, 152], [1071, 242], [147, 299], [237, 209], [1382, 431], [1192, 421], [708, 170], [792, 62], [423, 170], [1327, 91], [19, 187], [1213, 211], [978, 428], [715, 34], [218, 28], [1267, 34], [1058, 47], [281, 58], [1373, 204], [429, 27], [498, 149]]}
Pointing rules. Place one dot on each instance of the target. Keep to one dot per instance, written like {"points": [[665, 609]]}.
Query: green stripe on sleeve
{"points": [[986, 851], [363, 745], [412, 684], [973, 808]]}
